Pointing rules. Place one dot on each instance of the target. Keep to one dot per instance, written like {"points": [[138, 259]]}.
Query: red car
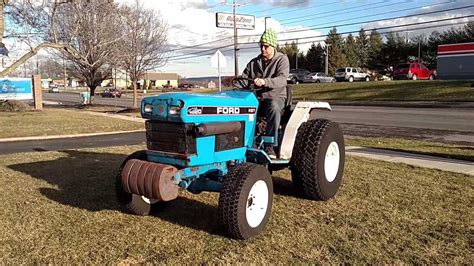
{"points": [[112, 93], [413, 71]]}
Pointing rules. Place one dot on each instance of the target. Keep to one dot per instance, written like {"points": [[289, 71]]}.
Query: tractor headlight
{"points": [[148, 108], [174, 110]]}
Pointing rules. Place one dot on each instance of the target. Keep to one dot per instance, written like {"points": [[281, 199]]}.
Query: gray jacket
{"points": [[275, 72]]}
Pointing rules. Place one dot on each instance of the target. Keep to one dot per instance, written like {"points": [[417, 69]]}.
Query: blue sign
{"points": [[16, 89]]}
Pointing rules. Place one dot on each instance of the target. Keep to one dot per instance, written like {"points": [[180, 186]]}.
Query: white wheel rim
{"points": [[257, 203], [149, 201], [331, 162]]}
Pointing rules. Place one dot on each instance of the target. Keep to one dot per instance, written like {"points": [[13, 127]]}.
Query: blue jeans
{"points": [[272, 110]]}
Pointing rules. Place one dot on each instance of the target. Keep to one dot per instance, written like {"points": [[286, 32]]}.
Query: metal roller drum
{"points": [[152, 180]]}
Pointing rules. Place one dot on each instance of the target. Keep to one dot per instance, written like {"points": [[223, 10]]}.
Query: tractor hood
{"points": [[197, 108]]}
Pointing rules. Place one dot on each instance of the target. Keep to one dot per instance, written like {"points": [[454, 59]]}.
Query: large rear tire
{"points": [[317, 163], [245, 201], [132, 203]]}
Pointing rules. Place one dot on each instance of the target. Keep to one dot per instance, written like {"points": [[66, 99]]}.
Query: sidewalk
{"points": [[407, 104], [444, 164]]}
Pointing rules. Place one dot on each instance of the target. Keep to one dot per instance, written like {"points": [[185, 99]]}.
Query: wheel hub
{"points": [[331, 162], [257, 203]]}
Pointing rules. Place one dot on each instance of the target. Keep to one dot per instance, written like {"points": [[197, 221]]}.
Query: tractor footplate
{"points": [[152, 180]]}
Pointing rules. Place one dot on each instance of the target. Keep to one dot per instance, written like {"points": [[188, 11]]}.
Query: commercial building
{"points": [[456, 61]]}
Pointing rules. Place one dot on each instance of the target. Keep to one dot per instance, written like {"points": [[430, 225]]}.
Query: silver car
{"points": [[319, 77]]}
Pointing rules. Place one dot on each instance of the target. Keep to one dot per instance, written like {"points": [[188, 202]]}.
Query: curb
{"points": [[67, 136], [424, 161]]}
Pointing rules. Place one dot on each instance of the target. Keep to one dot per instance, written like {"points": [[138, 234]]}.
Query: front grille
{"points": [[170, 137]]}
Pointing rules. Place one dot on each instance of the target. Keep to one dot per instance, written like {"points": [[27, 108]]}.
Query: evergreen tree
{"points": [[291, 50], [375, 49], [469, 31], [315, 58], [362, 49], [350, 50], [336, 58]]}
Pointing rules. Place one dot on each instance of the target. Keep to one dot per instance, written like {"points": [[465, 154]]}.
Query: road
{"points": [[449, 119], [450, 125]]}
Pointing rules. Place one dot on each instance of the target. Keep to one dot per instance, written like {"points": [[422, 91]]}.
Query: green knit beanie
{"points": [[269, 37]]}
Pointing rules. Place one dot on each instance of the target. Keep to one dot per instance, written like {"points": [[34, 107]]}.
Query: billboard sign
{"points": [[226, 20], [16, 89]]}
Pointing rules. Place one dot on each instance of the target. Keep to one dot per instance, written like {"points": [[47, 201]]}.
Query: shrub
{"points": [[14, 106]]}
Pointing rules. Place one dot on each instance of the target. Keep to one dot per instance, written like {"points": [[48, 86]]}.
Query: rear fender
{"points": [[300, 114]]}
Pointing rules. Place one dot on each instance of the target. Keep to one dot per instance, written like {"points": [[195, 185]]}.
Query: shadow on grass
{"points": [[86, 180]]}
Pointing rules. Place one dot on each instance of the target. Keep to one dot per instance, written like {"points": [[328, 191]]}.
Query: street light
{"points": [[266, 22]]}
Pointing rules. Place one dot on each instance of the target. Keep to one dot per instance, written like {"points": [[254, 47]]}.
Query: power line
{"points": [[341, 25], [313, 28], [306, 9], [325, 35], [336, 10]]}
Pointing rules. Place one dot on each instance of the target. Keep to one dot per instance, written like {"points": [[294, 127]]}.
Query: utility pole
{"points": [[297, 54], [419, 51], [236, 61], [326, 60], [64, 66]]}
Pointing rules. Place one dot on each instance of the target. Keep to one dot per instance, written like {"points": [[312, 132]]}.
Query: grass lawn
{"points": [[416, 146], [59, 122], [437, 90], [60, 208]]}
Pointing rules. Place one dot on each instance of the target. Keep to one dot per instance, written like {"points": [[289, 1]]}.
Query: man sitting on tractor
{"points": [[270, 71]]}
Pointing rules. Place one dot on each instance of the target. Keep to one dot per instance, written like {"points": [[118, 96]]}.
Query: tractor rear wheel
{"points": [[132, 203], [245, 201], [317, 163]]}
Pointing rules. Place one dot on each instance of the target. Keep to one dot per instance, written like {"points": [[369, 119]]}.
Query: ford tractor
{"points": [[215, 142]]}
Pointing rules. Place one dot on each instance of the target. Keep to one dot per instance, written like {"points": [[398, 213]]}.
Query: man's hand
{"points": [[259, 82]]}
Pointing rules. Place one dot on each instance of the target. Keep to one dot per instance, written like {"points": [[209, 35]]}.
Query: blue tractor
{"points": [[214, 142]]}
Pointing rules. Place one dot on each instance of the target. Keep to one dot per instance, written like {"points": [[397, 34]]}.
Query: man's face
{"points": [[267, 50]]}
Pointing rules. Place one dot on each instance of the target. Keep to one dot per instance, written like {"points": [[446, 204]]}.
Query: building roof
{"points": [[159, 76]]}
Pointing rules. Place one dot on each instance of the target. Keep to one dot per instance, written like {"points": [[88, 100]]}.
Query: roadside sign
{"points": [[226, 20], [16, 89], [218, 60]]}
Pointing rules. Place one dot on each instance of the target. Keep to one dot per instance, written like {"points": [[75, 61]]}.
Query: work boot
{"points": [[270, 152]]}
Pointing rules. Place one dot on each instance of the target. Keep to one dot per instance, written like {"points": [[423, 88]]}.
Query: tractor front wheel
{"points": [[245, 201], [317, 162], [132, 203]]}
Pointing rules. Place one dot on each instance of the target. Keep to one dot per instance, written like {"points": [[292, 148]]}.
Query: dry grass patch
{"points": [[60, 208]]}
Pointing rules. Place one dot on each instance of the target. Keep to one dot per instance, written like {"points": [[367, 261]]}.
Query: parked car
{"points": [[413, 71], [351, 74], [53, 89], [185, 86], [112, 93], [321, 77], [298, 75], [168, 86]]}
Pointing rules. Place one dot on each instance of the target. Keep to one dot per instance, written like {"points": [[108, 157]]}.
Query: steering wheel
{"points": [[243, 83]]}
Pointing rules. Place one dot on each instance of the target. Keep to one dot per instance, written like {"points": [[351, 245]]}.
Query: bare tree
{"points": [[143, 49], [90, 28], [85, 32]]}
